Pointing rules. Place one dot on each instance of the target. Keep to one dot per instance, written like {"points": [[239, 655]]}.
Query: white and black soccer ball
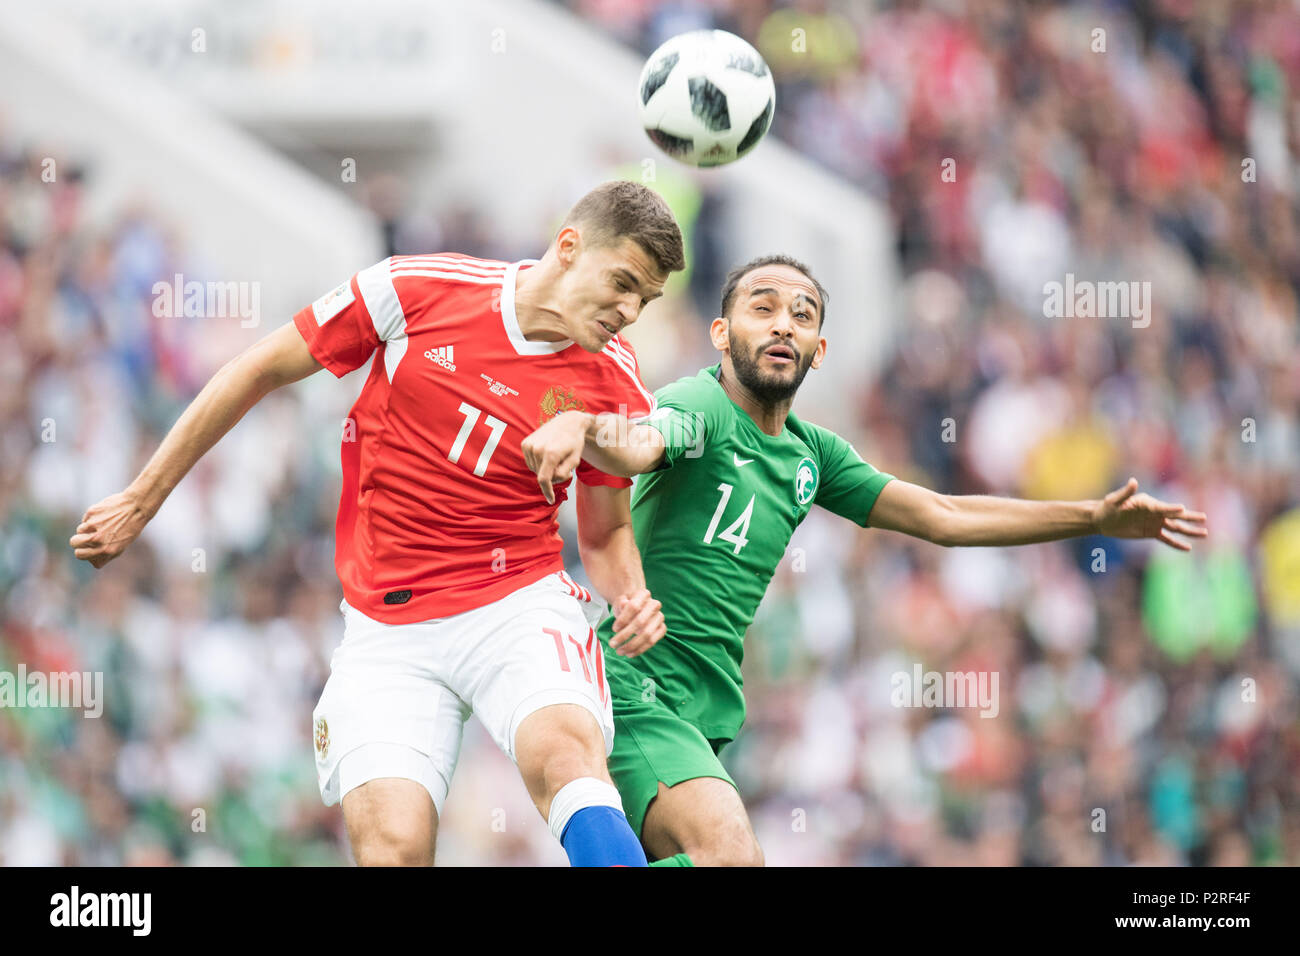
{"points": [[707, 97]]}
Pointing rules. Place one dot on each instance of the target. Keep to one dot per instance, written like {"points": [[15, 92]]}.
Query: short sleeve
{"points": [[591, 475], [343, 328], [848, 486], [689, 413]]}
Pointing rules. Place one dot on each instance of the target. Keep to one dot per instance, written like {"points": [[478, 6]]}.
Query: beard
{"points": [[769, 388]]}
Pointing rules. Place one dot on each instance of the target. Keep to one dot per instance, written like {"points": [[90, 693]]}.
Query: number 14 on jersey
{"points": [[735, 532]]}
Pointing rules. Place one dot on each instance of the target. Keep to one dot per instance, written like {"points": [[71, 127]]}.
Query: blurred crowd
{"points": [[211, 643], [1147, 698]]}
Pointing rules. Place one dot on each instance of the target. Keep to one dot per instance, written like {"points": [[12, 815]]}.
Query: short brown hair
{"points": [[621, 209]]}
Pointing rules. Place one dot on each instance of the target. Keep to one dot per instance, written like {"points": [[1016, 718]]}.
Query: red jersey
{"points": [[439, 511]]}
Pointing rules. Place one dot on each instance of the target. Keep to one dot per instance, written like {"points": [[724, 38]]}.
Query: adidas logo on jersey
{"points": [[443, 356]]}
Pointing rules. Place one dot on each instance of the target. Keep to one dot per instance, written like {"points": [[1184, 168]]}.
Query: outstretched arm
{"points": [[984, 520], [112, 524]]}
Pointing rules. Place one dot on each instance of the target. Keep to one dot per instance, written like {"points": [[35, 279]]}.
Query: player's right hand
{"points": [[107, 528], [638, 624], [555, 449]]}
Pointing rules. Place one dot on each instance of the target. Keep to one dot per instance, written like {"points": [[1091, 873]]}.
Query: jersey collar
{"points": [[522, 345]]}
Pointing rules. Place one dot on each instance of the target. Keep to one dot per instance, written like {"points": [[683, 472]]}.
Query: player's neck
{"points": [[770, 419], [535, 310]]}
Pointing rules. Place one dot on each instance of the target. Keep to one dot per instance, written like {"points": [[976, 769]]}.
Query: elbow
{"points": [[943, 539], [240, 378], [601, 541], [941, 523], [590, 543], [263, 376], [248, 373]]}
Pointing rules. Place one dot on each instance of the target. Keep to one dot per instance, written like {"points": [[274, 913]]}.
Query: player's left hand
{"points": [[1126, 514], [554, 450], [638, 624]]}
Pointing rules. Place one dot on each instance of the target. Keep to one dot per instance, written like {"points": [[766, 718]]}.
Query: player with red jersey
{"points": [[442, 445], [455, 595]]}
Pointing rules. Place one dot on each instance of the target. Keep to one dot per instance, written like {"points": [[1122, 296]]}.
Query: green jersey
{"points": [[712, 523]]}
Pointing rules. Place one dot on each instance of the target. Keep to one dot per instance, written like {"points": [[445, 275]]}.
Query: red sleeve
{"points": [[338, 329], [590, 475], [630, 397]]}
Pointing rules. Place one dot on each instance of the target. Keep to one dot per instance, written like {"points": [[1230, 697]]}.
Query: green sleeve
{"points": [[848, 486], [689, 413]]}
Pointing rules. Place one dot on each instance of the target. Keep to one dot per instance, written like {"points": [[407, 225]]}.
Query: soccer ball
{"points": [[707, 97]]}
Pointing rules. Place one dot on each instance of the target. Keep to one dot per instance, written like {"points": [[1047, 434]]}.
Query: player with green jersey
{"points": [[712, 524], [726, 474]]}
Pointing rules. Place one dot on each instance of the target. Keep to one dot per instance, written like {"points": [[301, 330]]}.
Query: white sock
{"points": [[578, 795]]}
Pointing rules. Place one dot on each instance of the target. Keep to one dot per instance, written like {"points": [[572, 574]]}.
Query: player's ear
{"points": [[568, 243], [819, 356], [718, 333]]}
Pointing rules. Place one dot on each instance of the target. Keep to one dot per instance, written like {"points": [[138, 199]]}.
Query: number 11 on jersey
{"points": [[471, 418], [736, 531]]}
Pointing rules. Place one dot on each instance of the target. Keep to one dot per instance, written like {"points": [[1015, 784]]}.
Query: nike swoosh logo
{"points": [[740, 461]]}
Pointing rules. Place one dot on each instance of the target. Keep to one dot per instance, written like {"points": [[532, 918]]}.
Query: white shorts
{"points": [[398, 695]]}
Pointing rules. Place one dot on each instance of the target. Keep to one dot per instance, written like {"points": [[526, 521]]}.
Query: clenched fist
{"points": [[638, 624], [107, 528]]}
